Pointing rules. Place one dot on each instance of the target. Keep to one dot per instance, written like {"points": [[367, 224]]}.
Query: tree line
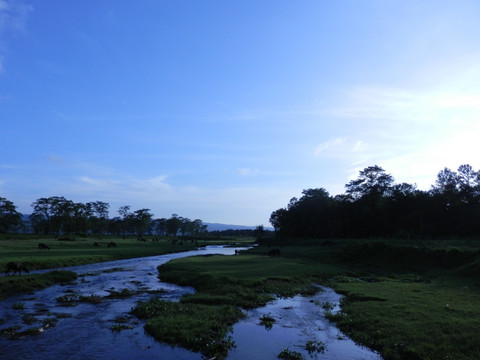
{"points": [[373, 205], [57, 215]]}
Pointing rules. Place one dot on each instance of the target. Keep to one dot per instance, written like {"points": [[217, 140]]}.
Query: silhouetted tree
{"points": [[173, 225], [10, 218], [141, 220]]}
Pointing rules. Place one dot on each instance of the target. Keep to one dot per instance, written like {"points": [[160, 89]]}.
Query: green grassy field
{"points": [[406, 299], [80, 251], [407, 302]]}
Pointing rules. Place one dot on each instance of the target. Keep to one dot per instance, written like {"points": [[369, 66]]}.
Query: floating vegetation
{"points": [[313, 346], [123, 323], [288, 354], [10, 331], [122, 319], [29, 319], [267, 321], [122, 294], [49, 322], [13, 332], [61, 315], [43, 323], [68, 299], [18, 306], [328, 306], [120, 327], [92, 299]]}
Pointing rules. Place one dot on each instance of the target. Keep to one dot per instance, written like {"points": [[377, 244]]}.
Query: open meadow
{"points": [[59, 252], [406, 302]]}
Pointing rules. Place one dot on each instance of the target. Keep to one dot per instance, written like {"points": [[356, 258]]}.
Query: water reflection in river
{"points": [[85, 331], [297, 321]]}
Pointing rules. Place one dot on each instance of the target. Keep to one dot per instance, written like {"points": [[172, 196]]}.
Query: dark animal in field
{"points": [[95, 244], [237, 252], [274, 252], [111, 244], [15, 267], [142, 239], [43, 246]]}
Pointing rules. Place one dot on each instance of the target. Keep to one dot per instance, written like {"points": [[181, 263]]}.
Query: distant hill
{"points": [[222, 227]]}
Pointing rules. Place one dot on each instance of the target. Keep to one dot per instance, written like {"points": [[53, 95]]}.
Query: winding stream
{"points": [[85, 331]]}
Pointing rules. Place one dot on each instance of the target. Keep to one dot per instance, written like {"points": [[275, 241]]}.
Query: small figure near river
{"points": [[274, 252], [16, 267]]}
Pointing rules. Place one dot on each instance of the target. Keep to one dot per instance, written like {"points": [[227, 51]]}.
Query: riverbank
{"points": [[66, 251], [405, 301]]}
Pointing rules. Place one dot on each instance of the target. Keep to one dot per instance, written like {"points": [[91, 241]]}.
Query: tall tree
{"points": [[99, 217], [125, 218], [10, 218], [173, 225], [373, 182], [142, 219], [52, 215]]}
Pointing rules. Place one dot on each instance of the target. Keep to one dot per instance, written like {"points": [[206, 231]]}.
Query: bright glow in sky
{"points": [[224, 110]]}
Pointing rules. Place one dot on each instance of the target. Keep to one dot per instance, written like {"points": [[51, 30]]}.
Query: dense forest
{"points": [[375, 206], [57, 215]]}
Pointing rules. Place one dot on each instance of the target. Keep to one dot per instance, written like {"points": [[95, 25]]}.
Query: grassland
{"points": [[408, 301], [69, 252]]}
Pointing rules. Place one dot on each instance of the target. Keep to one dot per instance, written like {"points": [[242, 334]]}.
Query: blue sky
{"points": [[224, 110]]}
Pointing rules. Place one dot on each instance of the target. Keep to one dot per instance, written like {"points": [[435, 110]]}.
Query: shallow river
{"points": [[85, 331]]}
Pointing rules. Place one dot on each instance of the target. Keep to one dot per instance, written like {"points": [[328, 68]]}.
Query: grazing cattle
{"points": [[43, 246], [111, 244], [274, 252], [96, 244], [237, 252], [16, 267]]}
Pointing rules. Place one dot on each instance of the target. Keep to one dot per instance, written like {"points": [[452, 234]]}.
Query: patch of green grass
{"points": [[199, 328], [400, 306], [248, 281], [412, 320], [10, 285], [81, 251]]}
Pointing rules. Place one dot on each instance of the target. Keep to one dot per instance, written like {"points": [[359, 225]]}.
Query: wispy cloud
{"points": [[411, 133], [55, 159], [13, 19], [342, 147], [459, 101], [330, 144], [13, 15], [247, 172]]}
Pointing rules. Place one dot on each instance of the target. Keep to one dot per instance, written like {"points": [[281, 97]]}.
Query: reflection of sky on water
{"points": [[298, 320], [87, 334]]}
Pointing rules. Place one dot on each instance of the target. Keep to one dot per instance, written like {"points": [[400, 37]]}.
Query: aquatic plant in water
{"points": [[288, 354], [313, 346], [267, 321]]}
